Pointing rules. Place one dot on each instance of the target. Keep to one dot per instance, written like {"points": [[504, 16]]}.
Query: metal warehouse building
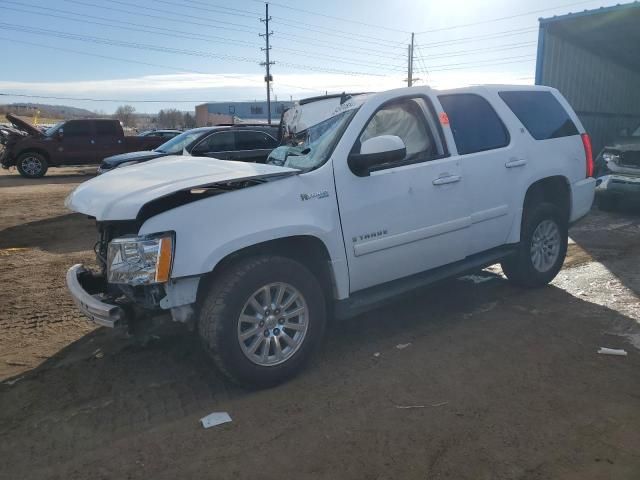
{"points": [[209, 114], [593, 58]]}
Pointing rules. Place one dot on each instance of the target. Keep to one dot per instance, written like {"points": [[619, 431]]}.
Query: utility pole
{"points": [[267, 63], [410, 66]]}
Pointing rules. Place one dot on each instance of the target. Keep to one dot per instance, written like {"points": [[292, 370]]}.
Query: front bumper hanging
{"points": [[79, 280]]}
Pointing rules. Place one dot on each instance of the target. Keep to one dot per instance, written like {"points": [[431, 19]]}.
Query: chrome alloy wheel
{"points": [[545, 245], [32, 166], [273, 324]]}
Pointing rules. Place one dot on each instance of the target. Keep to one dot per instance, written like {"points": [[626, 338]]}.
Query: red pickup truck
{"points": [[74, 142]]}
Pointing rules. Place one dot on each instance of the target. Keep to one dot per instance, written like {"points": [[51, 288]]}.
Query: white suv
{"points": [[391, 192]]}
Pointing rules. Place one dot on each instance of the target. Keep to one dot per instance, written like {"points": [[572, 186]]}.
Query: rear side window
{"points": [[253, 141], [107, 129], [475, 125], [77, 129], [541, 114], [218, 142]]}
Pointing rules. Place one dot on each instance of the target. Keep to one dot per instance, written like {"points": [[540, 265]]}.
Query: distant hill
{"points": [[47, 111]]}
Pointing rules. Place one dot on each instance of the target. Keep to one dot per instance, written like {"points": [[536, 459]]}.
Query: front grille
{"points": [[630, 159]]}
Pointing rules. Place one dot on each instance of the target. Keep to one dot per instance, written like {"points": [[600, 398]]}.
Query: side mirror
{"points": [[624, 132], [377, 151]]}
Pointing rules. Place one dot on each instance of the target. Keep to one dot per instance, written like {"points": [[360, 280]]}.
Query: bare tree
{"points": [[125, 113]]}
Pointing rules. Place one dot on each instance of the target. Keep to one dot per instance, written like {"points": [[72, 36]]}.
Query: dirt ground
{"points": [[493, 382]]}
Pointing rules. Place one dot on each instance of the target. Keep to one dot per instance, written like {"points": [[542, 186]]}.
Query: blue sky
{"points": [[183, 52]]}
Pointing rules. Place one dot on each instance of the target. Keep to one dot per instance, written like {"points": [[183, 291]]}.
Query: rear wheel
{"points": [[542, 248], [32, 165], [262, 320]]}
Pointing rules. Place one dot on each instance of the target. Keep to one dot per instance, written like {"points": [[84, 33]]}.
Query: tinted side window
{"points": [[475, 125], [540, 113], [77, 129], [218, 142], [253, 141], [107, 129]]}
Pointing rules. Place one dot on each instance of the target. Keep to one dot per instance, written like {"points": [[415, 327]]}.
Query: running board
{"points": [[374, 297]]}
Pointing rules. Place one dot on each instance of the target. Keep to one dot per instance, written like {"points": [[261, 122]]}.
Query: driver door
{"points": [[408, 216]]}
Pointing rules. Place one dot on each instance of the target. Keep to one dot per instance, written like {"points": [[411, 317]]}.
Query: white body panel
{"points": [[394, 222], [391, 224], [209, 230], [121, 194]]}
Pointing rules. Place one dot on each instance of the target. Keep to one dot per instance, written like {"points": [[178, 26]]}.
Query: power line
{"points": [[117, 100], [297, 38], [475, 38], [339, 33], [140, 27], [461, 53], [169, 67], [497, 19], [207, 7], [159, 17], [142, 46], [351, 21], [187, 35]]}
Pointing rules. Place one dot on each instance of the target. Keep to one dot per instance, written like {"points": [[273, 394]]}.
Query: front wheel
{"points": [[262, 320], [32, 165], [542, 248]]}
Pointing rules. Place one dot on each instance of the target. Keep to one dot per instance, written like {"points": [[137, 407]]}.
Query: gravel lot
{"points": [[503, 383]]}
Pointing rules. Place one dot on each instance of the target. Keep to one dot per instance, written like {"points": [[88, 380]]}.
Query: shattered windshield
{"points": [[177, 144], [311, 148]]}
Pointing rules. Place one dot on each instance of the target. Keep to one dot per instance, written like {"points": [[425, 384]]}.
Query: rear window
{"points": [[77, 129], [475, 125], [107, 128], [541, 114]]}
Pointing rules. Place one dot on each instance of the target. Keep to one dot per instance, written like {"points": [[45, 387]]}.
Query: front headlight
{"points": [[140, 260]]}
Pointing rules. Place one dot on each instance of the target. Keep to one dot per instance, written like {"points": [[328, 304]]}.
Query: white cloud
{"points": [[284, 83]]}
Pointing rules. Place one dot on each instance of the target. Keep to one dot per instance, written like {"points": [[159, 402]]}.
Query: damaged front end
{"points": [[127, 290], [9, 136], [132, 286]]}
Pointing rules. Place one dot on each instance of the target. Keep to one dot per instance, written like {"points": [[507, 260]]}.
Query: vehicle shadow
{"points": [[16, 180], [613, 240], [52, 234], [521, 358]]}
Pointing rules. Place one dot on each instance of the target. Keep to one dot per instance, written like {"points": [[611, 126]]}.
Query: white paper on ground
{"points": [[612, 351], [215, 418]]}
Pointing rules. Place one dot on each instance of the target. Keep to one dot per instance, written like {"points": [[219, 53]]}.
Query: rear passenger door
{"points": [[493, 167], [109, 139], [253, 146]]}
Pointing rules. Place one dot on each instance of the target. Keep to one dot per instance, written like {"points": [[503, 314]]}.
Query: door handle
{"points": [[447, 179], [93, 142], [516, 162]]}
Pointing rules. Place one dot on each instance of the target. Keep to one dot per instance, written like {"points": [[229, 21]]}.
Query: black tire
{"points": [[607, 204], [520, 268], [32, 165], [223, 302]]}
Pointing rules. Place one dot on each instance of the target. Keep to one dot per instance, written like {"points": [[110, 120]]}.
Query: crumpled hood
{"points": [[123, 192], [23, 125]]}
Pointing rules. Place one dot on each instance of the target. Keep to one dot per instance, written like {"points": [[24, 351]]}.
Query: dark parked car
{"points": [[247, 143], [164, 134], [618, 171], [74, 142]]}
